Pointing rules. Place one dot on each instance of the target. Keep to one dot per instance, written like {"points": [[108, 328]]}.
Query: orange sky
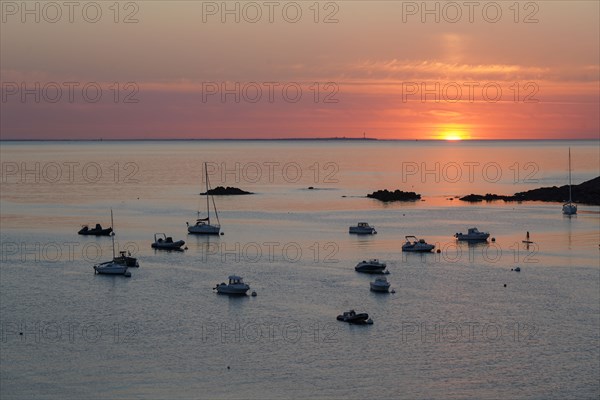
{"points": [[390, 69]]}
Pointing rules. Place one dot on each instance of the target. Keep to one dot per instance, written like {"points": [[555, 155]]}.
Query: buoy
{"points": [[21, 333], [222, 233], [228, 367], [505, 285], [493, 239], [253, 294], [438, 251]]}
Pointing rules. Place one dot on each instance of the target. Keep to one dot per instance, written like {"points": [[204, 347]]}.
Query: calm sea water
{"points": [[450, 330]]}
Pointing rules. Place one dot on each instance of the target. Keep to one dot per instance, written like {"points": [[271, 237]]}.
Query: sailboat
{"points": [[569, 208], [203, 225], [113, 267]]}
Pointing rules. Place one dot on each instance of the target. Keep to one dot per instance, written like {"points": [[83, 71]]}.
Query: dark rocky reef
{"points": [[473, 198], [397, 195], [585, 193], [228, 191]]}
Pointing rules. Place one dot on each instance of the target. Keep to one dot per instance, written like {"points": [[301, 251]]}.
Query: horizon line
{"points": [[366, 139]]}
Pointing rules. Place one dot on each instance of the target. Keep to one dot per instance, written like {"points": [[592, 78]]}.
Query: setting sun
{"points": [[452, 132], [452, 136]]}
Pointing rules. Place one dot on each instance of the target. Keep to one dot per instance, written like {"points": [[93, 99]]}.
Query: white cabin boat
{"points": [[473, 234], [380, 285], [236, 285], [362, 228]]}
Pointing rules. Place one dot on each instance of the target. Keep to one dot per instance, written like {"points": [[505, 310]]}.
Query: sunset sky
{"points": [[362, 66]]}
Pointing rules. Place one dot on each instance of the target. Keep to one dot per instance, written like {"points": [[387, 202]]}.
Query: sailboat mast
{"points": [[207, 195], [569, 174], [112, 225]]}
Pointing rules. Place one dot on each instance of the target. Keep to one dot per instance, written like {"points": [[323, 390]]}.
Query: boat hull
{"points": [[362, 231], [95, 232], [204, 230], [233, 289], [569, 209], [168, 246], [418, 249], [354, 319], [127, 261], [380, 288], [370, 268], [472, 238]]}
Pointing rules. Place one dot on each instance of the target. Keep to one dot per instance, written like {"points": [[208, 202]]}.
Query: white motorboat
{"points": [[380, 284], [373, 266], [111, 268], [203, 226], [362, 228], [416, 245], [569, 208], [236, 285], [473, 234], [164, 242]]}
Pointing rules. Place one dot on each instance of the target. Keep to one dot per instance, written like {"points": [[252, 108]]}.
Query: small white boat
{"points": [[236, 285], [373, 266], [362, 228], [569, 208], [473, 234], [416, 245], [164, 242], [380, 285], [111, 268]]}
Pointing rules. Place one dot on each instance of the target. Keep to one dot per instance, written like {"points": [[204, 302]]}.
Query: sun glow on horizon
{"points": [[453, 133], [452, 136]]}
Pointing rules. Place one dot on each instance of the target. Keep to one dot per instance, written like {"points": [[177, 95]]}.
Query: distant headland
{"points": [[585, 193]]}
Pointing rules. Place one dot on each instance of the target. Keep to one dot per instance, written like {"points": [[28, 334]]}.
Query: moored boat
{"points": [[473, 234], [362, 228], [203, 226], [416, 245], [164, 242], [380, 284], [373, 266], [569, 208], [236, 286], [96, 231], [125, 258], [111, 268], [353, 318]]}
